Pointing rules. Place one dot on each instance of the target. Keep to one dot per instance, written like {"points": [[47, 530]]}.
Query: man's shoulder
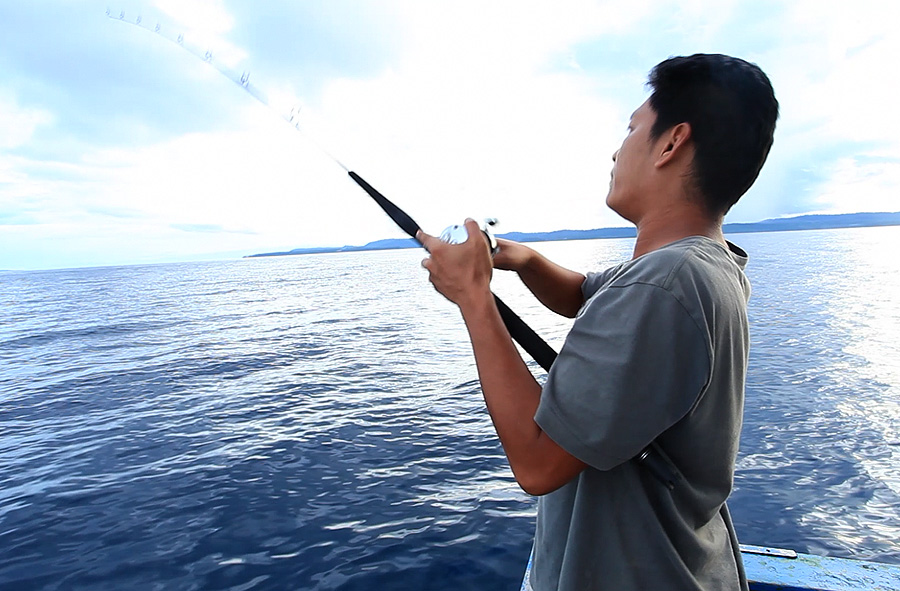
{"points": [[685, 264], [662, 266]]}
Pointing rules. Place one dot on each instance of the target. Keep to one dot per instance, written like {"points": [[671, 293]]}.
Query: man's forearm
{"points": [[558, 288], [462, 273], [512, 396]]}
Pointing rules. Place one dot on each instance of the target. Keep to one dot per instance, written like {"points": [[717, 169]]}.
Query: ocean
{"points": [[315, 422]]}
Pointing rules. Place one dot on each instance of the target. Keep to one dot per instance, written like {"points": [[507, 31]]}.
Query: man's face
{"points": [[632, 164]]}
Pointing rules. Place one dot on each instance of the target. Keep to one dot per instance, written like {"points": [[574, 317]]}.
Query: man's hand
{"points": [[512, 256], [558, 288], [460, 272]]}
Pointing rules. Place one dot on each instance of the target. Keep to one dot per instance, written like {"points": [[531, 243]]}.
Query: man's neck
{"points": [[654, 232]]}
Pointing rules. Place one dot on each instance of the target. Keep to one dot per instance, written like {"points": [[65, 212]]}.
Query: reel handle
{"points": [[457, 234]]}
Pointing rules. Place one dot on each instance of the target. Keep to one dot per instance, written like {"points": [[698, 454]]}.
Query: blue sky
{"points": [[118, 147]]}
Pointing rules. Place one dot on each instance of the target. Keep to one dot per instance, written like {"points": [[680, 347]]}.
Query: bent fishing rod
{"points": [[529, 340], [651, 457]]}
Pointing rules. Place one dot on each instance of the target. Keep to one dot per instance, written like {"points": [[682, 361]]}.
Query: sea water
{"points": [[315, 422]]}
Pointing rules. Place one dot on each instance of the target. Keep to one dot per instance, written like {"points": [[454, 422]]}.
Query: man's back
{"points": [[658, 352]]}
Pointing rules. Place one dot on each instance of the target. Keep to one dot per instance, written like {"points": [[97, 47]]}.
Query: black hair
{"points": [[731, 108]]}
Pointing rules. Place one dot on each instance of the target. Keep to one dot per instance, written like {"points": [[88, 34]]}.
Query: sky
{"points": [[119, 147]]}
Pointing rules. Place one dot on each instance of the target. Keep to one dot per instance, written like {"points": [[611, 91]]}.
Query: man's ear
{"points": [[673, 144]]}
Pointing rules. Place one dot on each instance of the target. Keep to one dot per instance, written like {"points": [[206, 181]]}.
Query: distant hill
{"points": [[803, 222]]}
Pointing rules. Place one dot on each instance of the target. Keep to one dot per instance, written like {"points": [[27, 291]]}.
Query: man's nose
{"points": [[615, 155]]}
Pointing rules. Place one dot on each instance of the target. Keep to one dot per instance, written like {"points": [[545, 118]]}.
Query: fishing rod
{"points": [[523, 334], [652, 457]]}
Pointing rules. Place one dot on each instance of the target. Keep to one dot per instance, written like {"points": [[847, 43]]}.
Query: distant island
{"points": [[803, 222]]}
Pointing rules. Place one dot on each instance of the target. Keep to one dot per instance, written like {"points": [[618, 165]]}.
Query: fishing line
{"points": [[291, 115], [651, 457], [533, 344]]}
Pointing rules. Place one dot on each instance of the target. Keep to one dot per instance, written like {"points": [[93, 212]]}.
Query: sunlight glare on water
{"points": [[821, 422]]}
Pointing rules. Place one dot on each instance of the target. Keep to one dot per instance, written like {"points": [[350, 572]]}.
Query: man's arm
{"points": [[558, 288], [462, 273]]}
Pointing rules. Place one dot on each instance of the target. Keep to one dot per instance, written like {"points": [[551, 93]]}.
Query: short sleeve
{"points": [[593, 281], [634, 363]]}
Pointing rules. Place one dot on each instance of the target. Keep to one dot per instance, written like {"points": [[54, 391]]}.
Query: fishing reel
{"points": [[457, 234]]}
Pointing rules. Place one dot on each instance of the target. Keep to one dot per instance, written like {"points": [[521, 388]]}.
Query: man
{"points": [[657, 354]]}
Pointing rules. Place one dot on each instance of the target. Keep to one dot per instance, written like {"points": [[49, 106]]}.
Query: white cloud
{"points": [[486, 112], [18, 123], [832, 75], [856, 185], [474, 123], [209, 16], [838, 65], [701, 21], [258, 177], [200, 25], [507, 142], [478, 40]]}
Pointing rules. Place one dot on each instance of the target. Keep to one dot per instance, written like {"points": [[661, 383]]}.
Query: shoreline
{"points": [[791, 224]]}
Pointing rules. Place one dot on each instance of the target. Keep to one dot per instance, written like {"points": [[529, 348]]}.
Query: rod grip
{"points": [[400, 217]]}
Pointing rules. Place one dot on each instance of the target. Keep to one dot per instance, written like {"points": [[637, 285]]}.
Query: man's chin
{"points": [[611, 204]]}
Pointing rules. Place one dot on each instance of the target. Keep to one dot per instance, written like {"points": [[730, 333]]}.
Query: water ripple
{"points": [[269, 424]]}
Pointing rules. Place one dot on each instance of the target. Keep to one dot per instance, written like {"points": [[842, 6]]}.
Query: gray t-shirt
{"points": [[657, 353]]}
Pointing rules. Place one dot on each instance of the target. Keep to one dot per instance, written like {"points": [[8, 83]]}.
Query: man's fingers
{"points": [[430, 242], [426, 240], [472, 228]]}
